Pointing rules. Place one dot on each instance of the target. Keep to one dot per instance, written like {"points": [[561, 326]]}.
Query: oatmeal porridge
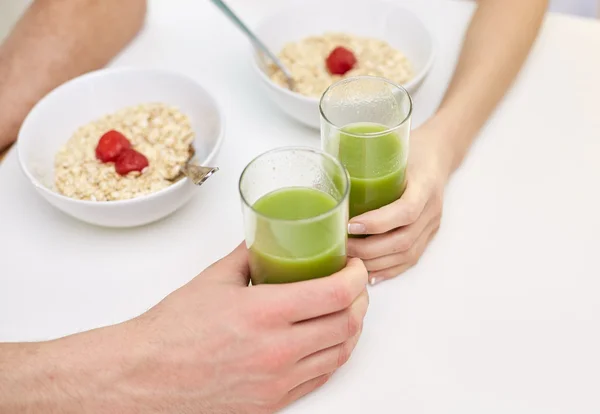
{"points": [[135, 151], [318, 61]]}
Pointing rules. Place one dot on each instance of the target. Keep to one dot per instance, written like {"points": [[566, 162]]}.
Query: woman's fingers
{"points": [[402, 212], [395, 241], [390, 266]]}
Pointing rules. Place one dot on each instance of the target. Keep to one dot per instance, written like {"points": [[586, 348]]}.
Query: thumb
{"points": [[399, 213], [231, 269]]}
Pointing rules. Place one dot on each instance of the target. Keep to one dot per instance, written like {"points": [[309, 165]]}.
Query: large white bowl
{"points": [[374, 18], [54, 119]]}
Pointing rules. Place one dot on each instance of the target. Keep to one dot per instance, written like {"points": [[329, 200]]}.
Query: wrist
{"points": [[452, 139]]}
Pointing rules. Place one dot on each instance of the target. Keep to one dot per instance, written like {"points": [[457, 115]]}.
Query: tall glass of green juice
{"points": [[365, 123], [295, 206]]}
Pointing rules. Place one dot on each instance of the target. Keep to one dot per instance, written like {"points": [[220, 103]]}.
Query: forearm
{"points": [[78, 374], [496, 45], [55, 41]]}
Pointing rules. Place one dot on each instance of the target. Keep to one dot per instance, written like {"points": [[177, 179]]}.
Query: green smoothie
{"points": [[299, 235], [376, 164]]}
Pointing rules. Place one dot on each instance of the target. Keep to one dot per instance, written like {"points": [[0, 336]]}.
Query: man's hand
{"points": [[213, 346], [222, 347], [401, 230]]}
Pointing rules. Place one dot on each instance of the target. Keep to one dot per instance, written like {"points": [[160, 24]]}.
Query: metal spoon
{"points": [[256, 41], [197, 173]]}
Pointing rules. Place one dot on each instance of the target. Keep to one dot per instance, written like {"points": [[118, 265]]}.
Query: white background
{"points": [[500, 316], [11, 9]]}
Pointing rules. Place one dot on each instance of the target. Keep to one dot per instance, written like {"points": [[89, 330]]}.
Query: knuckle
{"points": [[277, 357], [367, 299], [344, 353], [367, 251], [403, 243], [278, 389], [411, 213], [353, 322], [377, 228], [322, 381], [356, 249], [413, 256], [341, 295]]}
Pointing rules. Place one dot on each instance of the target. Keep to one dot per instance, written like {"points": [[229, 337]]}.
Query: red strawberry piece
{"points": [[130, 160], [111, 145], [340, 61]]}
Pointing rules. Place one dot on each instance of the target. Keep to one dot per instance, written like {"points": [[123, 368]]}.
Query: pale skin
{"points": [[193, 354], [496, 45], [279, 342], [55, 41]]}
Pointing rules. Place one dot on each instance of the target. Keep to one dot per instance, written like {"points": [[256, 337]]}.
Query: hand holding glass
{"points": [[365, 123]]}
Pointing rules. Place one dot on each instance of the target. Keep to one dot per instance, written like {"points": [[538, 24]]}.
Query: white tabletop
{"points": [[502, 315]]}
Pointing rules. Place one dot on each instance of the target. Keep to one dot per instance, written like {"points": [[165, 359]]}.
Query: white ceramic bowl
{"points": [[373, 18], [54, 119]]}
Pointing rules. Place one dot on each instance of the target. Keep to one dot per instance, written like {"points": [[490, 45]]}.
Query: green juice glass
{"points": [[295, 206], [365, 123]]}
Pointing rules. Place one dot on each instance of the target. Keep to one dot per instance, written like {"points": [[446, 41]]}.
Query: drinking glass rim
{"points": [[368, 134], [329, 212]]}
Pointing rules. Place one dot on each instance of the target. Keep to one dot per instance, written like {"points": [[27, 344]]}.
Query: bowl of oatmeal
{"points": [[108, 147], [323, 41]]}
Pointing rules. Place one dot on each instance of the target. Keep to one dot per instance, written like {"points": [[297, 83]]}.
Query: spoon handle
{"points": [[255, 40]]}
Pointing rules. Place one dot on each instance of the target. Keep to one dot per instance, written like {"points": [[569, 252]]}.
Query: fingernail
{"points": [[356, 228], [373, 281]]}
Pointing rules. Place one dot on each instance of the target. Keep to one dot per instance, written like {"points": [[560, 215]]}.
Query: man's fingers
{"points": [[330, 330], [401, 212], [327, 360], [231, 269], [301, 301], [303, 389]]}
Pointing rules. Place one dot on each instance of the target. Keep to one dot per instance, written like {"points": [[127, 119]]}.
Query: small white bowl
{"points": [[53, 120], [372, 18]]}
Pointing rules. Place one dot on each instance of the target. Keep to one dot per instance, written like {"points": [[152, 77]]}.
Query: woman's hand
{"points": [[400, 231]]}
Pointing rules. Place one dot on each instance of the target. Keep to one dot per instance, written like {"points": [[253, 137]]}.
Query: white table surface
{"points": [[502, 315]]}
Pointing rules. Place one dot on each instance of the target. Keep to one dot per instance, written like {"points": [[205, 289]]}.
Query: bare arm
{"points": [[497, 42], [55, 41], [75, 374], [495, 47], [192, 354]]}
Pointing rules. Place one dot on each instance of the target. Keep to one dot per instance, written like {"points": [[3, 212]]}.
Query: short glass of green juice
{"points": [[295, 206], [365, 123]]}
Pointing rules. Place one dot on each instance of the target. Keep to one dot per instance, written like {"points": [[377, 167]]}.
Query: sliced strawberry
{"points": [[340, 61], [111, 144], [130, 160]]}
